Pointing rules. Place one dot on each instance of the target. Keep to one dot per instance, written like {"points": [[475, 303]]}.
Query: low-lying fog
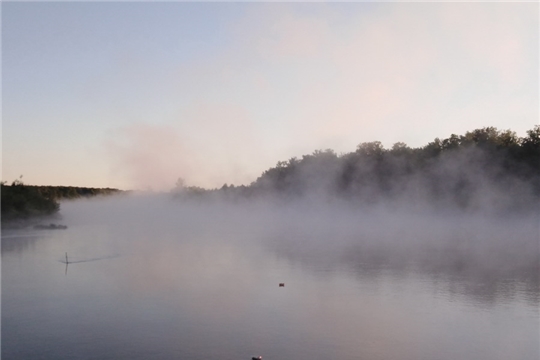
{"points": [[367, 282], [467, 248]]}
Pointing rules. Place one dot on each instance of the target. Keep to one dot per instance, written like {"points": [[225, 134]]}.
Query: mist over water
{"points": [[163, 277]]}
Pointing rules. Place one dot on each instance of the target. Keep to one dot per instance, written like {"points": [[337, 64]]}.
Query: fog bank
{"points": [[475, 253]]}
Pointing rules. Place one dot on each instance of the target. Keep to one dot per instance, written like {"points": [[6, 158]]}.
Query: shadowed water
{"points": [[200, 281]]}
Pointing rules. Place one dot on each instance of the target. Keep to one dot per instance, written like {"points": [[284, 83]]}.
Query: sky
{"points": [[134, 95]]}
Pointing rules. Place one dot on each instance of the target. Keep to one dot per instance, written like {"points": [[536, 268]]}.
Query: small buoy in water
{"points": [[256, 358], [281, 284]]}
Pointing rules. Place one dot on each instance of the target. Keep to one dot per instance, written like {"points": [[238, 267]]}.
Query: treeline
{"points": [[73, 192], [485, 167], [22, 201]]}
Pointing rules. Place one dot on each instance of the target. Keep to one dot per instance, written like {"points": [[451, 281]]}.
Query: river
{"points": [[156, 279]]}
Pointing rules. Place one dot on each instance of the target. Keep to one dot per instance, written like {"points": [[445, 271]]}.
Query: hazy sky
{"points": [[135, 95]]}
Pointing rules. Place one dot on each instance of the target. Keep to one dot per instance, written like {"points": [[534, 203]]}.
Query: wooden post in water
{"points": [[67, 259]]}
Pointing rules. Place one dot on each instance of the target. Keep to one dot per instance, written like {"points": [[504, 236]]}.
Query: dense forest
{"points": [[485, 168], [21, 201]]}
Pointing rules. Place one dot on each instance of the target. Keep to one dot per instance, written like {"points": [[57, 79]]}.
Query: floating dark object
{"points": [[256, 358], [50, 227], [281, 284]]}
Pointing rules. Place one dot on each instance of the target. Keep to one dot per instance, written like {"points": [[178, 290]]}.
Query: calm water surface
{"points": [[202, 283]]}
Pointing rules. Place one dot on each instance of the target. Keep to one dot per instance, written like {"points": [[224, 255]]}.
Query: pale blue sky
{"points": [[135, 95]]}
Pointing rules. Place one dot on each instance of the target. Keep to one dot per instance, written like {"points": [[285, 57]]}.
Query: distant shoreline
{"points": [[23, 203]]}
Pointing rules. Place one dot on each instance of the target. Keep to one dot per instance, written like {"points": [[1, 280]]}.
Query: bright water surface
{"points": [[201, 282]]}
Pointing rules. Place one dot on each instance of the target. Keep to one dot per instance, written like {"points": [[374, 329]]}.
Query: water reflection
{"points": [[18, 241], [204, 283], [486, 264]]}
